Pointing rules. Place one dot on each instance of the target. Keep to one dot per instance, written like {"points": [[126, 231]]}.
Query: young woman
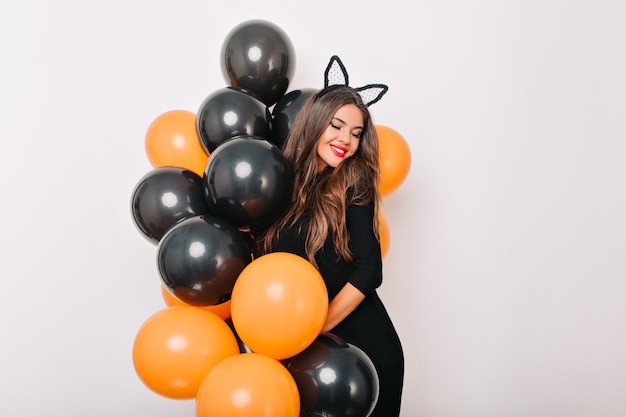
{"points": [[332, 221]]}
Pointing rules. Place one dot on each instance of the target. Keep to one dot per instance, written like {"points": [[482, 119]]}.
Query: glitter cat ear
{"points": [[371, 93], [335, 73], [337, 76]]}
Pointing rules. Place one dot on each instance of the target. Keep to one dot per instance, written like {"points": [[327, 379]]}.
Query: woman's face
{"points": [[341, 138]]}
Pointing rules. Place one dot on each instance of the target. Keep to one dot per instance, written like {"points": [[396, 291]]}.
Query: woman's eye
{"points": [[335, 126], [357, 135]]}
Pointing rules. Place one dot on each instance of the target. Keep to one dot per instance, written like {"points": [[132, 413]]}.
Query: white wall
{"points": [[506, 274]]}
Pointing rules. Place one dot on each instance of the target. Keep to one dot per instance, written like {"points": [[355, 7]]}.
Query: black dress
{"points": [[368, 326]]}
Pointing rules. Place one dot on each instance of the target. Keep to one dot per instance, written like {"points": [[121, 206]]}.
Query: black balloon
{"points": [[230, 112], [334, 379], [200, 258], [163, 197], [247, 181], [259, 56], [285, 112]]}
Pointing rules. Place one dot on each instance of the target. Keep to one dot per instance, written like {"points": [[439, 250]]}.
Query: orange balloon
{"points": [[250, 384], [279, 304], [394, 157], [176, 348], [384, 234], [222, 309], [172, 140]]}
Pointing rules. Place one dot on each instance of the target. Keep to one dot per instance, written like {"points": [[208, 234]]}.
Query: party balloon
{"points": [[176, 348], [172, 140], [163, 197], [222, 310], [243, 348], [259, 56], [247, 181], [334, 378], [284, 114], [384, 234], [394, 158], [248, 385], [279, 304], [200, 258], [230, 112]]}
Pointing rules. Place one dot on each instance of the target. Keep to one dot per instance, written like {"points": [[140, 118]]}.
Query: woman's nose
{"points": [[344, 136]]}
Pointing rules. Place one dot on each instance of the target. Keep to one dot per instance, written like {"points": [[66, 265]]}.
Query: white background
{"points": [[506, 274]]}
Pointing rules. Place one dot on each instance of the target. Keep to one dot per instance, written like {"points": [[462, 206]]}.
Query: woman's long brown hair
{"points": [[327, 194]]}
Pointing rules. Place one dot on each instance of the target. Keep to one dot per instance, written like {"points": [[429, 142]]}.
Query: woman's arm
{"points": [[367, 263], [344, 303]]}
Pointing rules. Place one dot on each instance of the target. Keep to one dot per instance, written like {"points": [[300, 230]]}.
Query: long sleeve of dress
{"points": [[365, 246]]}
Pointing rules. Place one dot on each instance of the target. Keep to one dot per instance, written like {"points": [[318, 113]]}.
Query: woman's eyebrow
{"points": [[337, 118]]}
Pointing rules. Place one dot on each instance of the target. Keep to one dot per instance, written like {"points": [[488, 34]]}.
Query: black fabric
{"points": [[368, 326]]}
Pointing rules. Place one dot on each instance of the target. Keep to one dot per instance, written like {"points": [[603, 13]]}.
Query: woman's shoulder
{"points": [[360, 193]]}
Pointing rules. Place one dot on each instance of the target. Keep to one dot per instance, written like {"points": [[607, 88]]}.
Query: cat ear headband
{"points": [[336, 76]]}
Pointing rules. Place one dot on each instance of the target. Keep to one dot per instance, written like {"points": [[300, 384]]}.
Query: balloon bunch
{"points": [[241, 335]]}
